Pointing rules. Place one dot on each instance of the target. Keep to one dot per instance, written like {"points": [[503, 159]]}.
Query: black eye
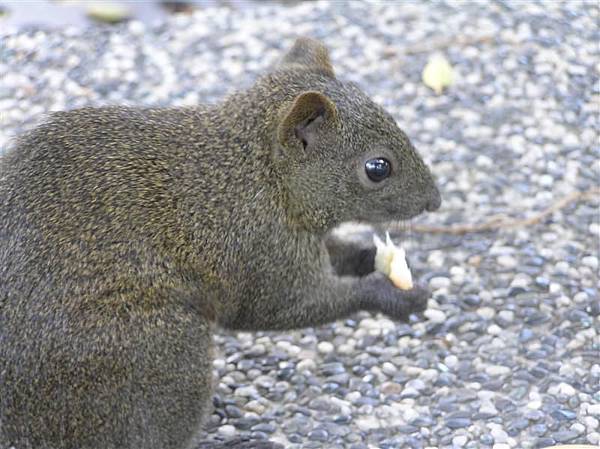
{"points": [[378, 169]]}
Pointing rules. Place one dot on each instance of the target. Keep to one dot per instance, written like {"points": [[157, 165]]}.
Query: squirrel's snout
{"points": [[434, 201]]}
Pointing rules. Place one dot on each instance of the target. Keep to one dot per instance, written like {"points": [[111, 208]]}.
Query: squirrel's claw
{"points": [[380, 295]]}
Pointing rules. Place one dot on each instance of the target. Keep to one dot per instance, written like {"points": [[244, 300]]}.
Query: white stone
{"points": [[431, 124], [389, 368], [439, 282], [219, 364], [487, 313], [497, 370], [366, 423], [555, 287], [546, 180], [593, 409], [499, 435], [590, 261], [591, 423], [459, 441], [325, 347], [451, 361], [409, 414], [506, 315], [435, 315], [566, 389], [484, 161], [227, 430], [594, 438], [577, 70], [246, 391], [255, 406], [562, 267], [353, 396], [494, 329], [345, 348], [306, 365], [488, 407], [429, 375], [580, 297], [507, 261], [435, 259]]}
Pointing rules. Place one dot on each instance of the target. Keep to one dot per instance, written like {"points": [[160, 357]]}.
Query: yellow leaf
{"points": [[108, 12], [438, 73]]}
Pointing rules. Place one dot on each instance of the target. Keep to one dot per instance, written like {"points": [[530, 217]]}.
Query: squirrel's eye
{"points": [[378, 169]]}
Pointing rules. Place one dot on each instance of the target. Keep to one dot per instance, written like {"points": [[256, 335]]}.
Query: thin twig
{"points": [[445, 42], [506, 222]]}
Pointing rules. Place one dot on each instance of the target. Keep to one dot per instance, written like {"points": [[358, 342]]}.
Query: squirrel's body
{"points": [[127, 234]]}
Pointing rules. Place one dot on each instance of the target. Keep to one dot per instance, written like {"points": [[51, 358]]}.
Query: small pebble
{"points": [[227, 430], [325, 347], [434, 315]]}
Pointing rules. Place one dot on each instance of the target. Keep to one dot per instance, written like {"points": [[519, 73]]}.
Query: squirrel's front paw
{"points": [[380, 295]]}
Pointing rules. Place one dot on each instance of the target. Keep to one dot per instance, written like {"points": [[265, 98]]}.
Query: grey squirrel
{"points": [[127, 234]]}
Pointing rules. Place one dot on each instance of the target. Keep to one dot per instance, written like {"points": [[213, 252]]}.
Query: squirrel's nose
{"points": [[434, 201]]}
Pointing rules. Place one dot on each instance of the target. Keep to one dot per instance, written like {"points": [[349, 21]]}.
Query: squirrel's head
{"points": [[340, 156]]}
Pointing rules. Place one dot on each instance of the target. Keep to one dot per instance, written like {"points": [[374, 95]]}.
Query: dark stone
{"points": [[535, 317], [486, 439], [538, 430], [444, 380], [294, 438], [340, 379], [330, 369], [564, 436], [233, 412], [330, 387], [408, 429], [539, 372], [544, 442], [576, 315], [472, 300], [264, 427], [320, 403], [422, 421], [458, 423], [318, 435], [505, 405], [515, 426], [562, 414], [342, 419], [459, 414], [514, 291], [246, 423], [534, 415], [542, 282], [285, 373], [245, 365], [258, 435]]}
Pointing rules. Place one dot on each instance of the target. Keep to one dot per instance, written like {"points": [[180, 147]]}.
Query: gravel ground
{"points": [[509, 354]]}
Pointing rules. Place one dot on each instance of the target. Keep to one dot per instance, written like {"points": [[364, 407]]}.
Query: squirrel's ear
{"points": [[308, 53], [301, 121]]}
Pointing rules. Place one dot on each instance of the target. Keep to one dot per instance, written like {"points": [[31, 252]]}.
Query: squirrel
{"points": [[128, 234]]}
